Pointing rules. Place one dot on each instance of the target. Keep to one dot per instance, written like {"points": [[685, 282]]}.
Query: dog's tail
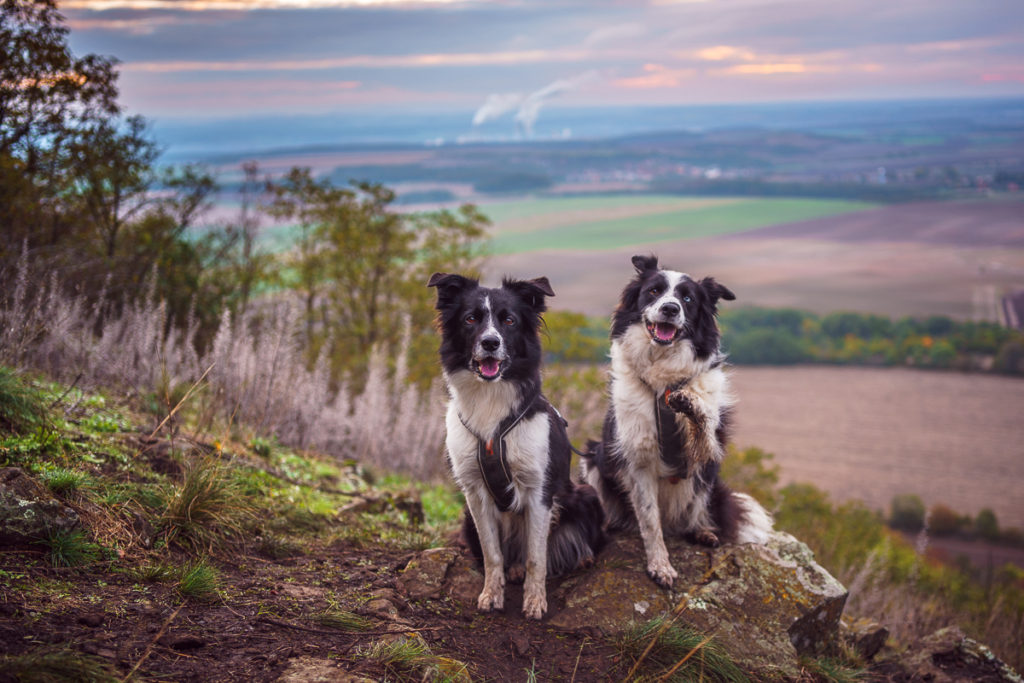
{"points": [[578, 535], [755, 522]]}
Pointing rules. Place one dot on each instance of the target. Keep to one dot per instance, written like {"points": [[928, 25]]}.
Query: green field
{"points": [[585, 223]]}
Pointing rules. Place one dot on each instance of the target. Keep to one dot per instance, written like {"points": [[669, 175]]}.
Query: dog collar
{"points": [[494, 470]]}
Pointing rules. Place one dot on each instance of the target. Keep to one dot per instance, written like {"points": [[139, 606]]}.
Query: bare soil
{"points": [[262, 621], [870, 433]]}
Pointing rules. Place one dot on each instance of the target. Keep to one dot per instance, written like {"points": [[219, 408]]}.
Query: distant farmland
{"points": [[612, 222], [870, 433]]}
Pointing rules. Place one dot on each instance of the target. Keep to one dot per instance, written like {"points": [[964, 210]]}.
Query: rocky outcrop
{"points": [[28, 511], [766, 605], [946, 656]]}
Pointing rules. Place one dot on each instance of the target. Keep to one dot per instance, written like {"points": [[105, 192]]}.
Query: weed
{"points": [[831, 670], [103, 424], [49, 665], [679, 654], [64, 482], [158, 572], [198, 580], [400, 656], [71, 548], [22, 409], [208, 508], [333, 617], [261, 447]]}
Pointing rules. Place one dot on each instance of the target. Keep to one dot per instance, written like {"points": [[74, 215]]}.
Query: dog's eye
{"points": [[654, 291], [471, 319], [687, 299], [509, 320]]}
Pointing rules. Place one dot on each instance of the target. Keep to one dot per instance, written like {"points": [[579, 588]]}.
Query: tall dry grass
{"points": [[258, 376]]}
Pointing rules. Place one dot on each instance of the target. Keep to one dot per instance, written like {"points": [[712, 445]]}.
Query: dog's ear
{"points": [[449, 286], [644, 264], [531, 291], [716, 291]]}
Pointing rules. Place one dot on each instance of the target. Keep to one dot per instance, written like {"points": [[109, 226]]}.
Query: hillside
{"points": [[170, 551]]}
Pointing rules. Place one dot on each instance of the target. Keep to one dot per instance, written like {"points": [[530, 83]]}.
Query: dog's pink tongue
{"points": [[489, 367], [664, 331]]}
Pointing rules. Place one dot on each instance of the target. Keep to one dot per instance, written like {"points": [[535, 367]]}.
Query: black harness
{"points": [[494, 470]]}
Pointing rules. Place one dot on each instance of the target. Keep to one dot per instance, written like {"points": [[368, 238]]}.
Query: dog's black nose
{"points": [[669, 309], [490, 343]]}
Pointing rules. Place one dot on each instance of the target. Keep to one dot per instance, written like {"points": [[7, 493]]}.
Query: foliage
{"points": [[208, 508], [71, 548], [784, 336], [574, 338], [907, 513], [49, 665], [21, 407], [361, 268], [198, 580], [63, 482]]}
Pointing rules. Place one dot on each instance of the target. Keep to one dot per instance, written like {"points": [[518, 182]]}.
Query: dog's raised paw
{"points": [[682, 402]]}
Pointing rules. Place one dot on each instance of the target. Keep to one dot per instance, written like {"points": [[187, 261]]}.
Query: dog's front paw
{"points": [[707, 537], [662, 573], [535, 603], [492, 597], [683, 402]]}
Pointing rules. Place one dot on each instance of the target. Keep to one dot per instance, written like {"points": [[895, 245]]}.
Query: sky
{"points": [[509, 59]]}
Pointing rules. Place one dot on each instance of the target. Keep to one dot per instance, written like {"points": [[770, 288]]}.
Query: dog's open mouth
{"points": [[663, 333], [488, 368]]}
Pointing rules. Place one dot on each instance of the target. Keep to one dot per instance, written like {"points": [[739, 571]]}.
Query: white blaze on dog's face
{"points": [[489, 347], [665, 296]]}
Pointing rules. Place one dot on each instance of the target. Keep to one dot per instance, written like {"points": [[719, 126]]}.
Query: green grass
{"points": [[50, 665], [198, 580], [64, 482], [22, 408], [333, 617], [71, 549], [528, 208], [701, 220]]}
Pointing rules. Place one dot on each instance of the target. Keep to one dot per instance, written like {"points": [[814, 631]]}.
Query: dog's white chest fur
{"points": [[642, 370], [481, 407]]}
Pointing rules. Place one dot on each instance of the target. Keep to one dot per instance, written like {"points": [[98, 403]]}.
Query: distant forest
{"points": [[762, 336]]}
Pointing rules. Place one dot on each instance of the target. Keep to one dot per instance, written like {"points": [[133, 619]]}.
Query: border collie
{"points": [[507, 446], [665, 431]]}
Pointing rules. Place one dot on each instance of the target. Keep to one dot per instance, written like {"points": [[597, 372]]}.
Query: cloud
{"points": [[723, 52], [614, 33], [657, 76], [244, 5], [364, 61]]}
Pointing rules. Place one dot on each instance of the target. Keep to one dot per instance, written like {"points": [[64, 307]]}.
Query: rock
{"points": [[424, 576], [313, 670], [379, 607], [766, 605], [28, 511], [865, 636], [946, 656], [520, 643]]}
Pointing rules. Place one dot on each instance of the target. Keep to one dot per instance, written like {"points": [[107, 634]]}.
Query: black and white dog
{"points": [[665, 431], [507, 446]]}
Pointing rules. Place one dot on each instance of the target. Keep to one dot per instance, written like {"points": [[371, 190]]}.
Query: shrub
{"points": [[907, 513], [22, 409], [986, 525], [209, 507], [71, 548], [943, 521]]}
